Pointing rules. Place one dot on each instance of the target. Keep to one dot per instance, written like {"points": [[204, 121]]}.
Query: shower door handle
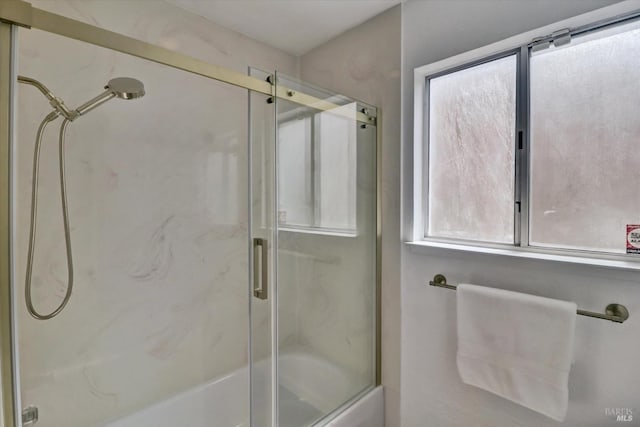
{"points": [[260, 268]]}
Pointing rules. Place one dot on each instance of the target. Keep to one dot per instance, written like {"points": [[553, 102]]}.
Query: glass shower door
{"points": [[156, 330], [325, 254], [313, 241], [263, 273]]}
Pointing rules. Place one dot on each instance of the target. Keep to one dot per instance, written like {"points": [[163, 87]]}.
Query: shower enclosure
{"points": [[224, 229]]}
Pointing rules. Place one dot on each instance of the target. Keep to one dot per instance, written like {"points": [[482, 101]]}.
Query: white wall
{"points": [[605, 373], [364, 63]]}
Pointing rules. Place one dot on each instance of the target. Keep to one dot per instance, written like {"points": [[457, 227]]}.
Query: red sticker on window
{"points": [[633, 238]]}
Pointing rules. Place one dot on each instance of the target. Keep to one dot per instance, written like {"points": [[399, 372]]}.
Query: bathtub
{"points": [[304, 378]]}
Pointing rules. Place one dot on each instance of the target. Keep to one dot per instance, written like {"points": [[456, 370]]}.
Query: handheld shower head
{"points": [[126, 87], [119, 87]]}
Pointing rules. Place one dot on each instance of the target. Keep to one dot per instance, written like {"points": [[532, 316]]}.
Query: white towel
{"points": [[517, 346]]}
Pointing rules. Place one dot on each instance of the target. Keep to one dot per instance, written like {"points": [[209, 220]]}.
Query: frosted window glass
{"points": [[472, 116], [295, 206], [585, 100]]}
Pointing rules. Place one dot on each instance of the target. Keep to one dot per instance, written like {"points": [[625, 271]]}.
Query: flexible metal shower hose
{"points": [[34, 213]]}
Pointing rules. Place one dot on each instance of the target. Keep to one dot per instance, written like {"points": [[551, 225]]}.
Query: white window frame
{"points": [[414, 226]]}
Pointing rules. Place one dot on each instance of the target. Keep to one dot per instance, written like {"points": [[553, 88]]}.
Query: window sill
{"points": [[428, 247]]}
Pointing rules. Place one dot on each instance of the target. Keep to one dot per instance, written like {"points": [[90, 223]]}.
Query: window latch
{"points": [[558, 38], [561, 37], [520, 137]]}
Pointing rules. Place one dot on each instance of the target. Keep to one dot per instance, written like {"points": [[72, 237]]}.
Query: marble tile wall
{"points": [[158, 196]]}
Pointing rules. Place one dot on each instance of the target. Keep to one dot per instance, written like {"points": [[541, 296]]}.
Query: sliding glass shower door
{"points": [[156, 331], [263, 271], [314, 231], [325, 253]]}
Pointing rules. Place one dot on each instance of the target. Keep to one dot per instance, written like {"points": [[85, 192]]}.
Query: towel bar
{"points": [[613, 312]]}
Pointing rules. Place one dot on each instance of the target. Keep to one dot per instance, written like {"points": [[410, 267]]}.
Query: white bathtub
{"points": [[224, 403]]}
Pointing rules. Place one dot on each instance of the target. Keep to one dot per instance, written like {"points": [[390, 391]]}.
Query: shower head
{"points": [[126, 87], [120, 87]]}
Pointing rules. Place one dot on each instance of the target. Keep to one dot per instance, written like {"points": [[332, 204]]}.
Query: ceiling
{"points": [[294, 26]]}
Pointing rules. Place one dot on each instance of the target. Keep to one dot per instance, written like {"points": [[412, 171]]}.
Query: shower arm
{"points": [[55, 102], [95, 102]]}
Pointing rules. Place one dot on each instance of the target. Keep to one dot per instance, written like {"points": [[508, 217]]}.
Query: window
{"points": [[317, 171], [585, 129], [472, 122], [534, 146]]}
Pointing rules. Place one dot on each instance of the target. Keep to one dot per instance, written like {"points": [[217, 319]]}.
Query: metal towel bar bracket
{"points": [[613, 312]]}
